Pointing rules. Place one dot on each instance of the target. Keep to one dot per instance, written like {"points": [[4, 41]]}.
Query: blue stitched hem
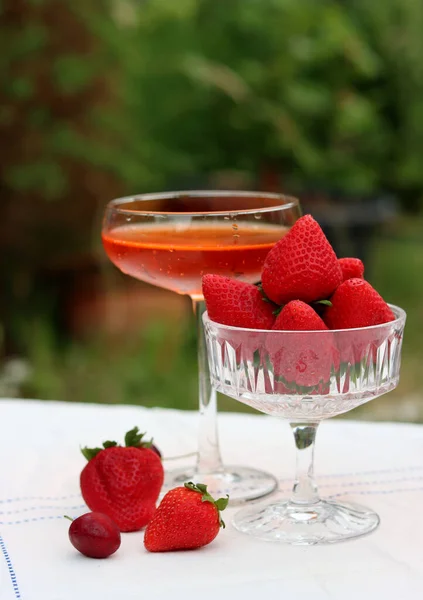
{"points": [[10, 568]]}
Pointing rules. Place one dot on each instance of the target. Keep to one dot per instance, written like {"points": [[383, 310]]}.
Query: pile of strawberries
{"points": [[304, 287], [121, 485]]}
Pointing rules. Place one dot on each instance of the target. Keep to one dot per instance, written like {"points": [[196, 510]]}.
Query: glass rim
{"points": [[399, 312], [286, 202]]}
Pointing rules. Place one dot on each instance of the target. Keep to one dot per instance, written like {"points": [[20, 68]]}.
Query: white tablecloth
{"points": [[377, 464]]}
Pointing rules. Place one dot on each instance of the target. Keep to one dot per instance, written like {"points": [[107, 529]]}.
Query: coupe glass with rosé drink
{"points": [[171, 240]]}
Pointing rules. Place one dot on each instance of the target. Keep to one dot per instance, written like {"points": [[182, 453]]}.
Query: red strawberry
{"points": [[187, 518], [233, 302], [356, 304], [298, 316], [123, 482], [302, 265], [351, 268], [156, 450], [300, 359], [302, 362]]}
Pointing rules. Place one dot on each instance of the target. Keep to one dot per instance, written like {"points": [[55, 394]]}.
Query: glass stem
{"points": [[305, 488], [208, 458]]}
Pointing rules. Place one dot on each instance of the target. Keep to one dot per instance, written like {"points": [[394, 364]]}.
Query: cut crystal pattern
{"points": [[305, 375]]}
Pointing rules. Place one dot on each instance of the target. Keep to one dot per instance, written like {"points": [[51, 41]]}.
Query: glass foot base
{"points": [[321, 523], [240, 483]]}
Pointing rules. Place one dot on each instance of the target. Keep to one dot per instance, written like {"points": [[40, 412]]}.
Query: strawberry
{"points": [[187, 518], [351, 268], [300, 360], [299, 316], [123, 482], [155, 449], [233, 302], [301, 266], [356, 304]]}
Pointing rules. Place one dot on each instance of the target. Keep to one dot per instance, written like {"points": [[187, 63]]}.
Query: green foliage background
{"points": [[330, 92]]}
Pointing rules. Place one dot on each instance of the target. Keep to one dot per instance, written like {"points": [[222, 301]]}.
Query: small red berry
{"points": [[95, 535]]}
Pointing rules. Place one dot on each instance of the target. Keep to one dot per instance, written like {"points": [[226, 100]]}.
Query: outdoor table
{"points": [[376, 464]]}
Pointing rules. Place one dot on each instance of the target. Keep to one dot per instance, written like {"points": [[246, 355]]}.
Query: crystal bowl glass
{"points": [[304, 377]]}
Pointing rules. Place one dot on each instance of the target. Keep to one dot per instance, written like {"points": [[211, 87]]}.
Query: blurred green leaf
{"points": [[44, 175], [72, 74], [21, 88]]}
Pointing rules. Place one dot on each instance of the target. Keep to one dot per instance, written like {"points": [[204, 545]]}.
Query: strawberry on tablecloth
{"points": [[123, 482]]}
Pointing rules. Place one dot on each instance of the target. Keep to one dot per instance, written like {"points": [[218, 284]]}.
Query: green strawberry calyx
{"points": [[277, 311], [262, 292], [318, 302], [323, 302], [220, 504], [133, 438]]}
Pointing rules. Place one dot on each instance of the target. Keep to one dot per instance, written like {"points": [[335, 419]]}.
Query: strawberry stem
{"points": [[90, 453], [134, 438], [109, 444], [220, 504], [263, 293]]}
